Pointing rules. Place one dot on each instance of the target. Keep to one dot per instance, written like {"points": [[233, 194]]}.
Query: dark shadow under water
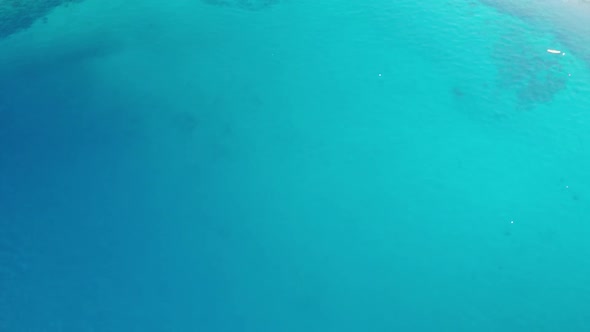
{"points": [[74, 196], [18, 15]]}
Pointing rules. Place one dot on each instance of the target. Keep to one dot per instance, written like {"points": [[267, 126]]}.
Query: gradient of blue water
{"points": [[293, 166]]}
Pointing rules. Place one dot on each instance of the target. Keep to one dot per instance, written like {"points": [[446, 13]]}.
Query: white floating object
{"points": [[554, 51]]}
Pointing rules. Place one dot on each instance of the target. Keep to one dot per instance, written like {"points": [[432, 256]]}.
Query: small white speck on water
{"points": [[379, 75], [512, 221]]}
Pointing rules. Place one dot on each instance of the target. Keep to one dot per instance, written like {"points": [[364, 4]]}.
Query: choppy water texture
{"points": [[294, 166]]}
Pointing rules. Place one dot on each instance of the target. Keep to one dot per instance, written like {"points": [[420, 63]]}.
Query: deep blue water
{"points": [[252, 165]]}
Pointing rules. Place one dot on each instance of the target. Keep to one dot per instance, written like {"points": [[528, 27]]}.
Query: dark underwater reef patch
{"points": [[535, 75], [18, 15]]}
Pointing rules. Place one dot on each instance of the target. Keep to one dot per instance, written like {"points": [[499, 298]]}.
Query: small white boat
{"points": [[554, 51]]}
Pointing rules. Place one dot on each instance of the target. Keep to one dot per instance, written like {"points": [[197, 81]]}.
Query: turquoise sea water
{"points": [[251, 165]]}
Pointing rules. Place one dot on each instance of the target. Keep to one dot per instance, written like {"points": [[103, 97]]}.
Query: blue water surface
{"points": [[279, 165]]}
